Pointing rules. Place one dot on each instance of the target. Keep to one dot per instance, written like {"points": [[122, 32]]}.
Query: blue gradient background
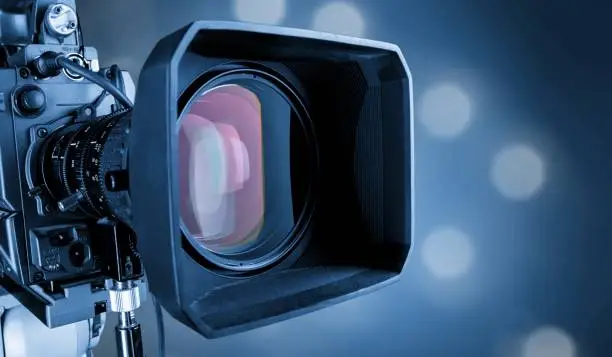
{"points": [[535, 73]]}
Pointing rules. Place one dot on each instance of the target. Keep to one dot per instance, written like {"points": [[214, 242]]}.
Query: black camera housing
{"points": [[359, 97], [56, 263]]}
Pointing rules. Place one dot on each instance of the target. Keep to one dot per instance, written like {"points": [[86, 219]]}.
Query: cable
{"points": [[161, 334], [95, 78], [50, 64], [80, 37], [116, 73]]}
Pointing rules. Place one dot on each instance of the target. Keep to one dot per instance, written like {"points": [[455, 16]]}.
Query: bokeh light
{"points": [[271, 12], [447, 253], [549, 341], [340, 18], [518, 172], [445, 110]]}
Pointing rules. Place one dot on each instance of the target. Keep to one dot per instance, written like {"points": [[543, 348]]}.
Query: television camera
{"points": [[263, 172]]}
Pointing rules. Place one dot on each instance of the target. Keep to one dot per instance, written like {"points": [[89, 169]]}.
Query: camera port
{"points": [[78, 59]]}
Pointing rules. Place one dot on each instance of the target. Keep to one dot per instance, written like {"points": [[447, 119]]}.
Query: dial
{"points": [[61, 20]]}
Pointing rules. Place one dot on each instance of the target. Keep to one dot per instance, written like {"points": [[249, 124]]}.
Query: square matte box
{"points": [[358, 97]]}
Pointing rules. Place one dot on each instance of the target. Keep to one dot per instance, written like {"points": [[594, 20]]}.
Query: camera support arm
{"points": [[23, 335], [124, 266]]}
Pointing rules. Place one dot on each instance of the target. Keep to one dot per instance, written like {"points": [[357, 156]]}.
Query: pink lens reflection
{"points": [[221, 169]]}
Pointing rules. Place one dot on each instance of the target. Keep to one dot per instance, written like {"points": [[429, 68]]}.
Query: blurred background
{"points": [[513, 239]]}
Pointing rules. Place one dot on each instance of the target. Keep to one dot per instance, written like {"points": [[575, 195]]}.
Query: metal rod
{"points": [[129, 341], [128, 332]]}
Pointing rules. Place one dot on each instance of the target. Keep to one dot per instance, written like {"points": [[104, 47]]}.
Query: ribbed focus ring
{"points": [[124, 300]]}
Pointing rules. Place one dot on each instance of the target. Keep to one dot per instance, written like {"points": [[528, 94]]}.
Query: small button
{"points": [[31, 101]]}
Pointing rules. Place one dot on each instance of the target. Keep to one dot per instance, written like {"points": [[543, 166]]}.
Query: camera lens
{"points": [[222, 174], [241, 199]]}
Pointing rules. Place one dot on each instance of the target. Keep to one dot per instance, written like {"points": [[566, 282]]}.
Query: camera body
{"points": [[53, 251]]}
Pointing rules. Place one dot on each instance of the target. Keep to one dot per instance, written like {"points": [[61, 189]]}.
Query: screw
{"points": [[48, 208], [71, 24], [42, 132], [24, 73], [57, 9]]}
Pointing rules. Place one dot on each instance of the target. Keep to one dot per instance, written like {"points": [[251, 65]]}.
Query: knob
{"points": [[31, 101], [71, 202]]}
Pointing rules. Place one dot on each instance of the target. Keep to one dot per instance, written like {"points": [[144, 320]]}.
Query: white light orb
{"points": [[445, 110], [549, 341], [270, 12], [447, 253], [341, 18], [518, 172]]}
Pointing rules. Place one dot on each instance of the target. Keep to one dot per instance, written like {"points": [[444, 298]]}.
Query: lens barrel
{"points": [[83, 166]]}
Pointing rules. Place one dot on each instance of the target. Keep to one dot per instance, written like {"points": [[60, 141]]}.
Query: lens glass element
{"points": [[237, 186]]}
